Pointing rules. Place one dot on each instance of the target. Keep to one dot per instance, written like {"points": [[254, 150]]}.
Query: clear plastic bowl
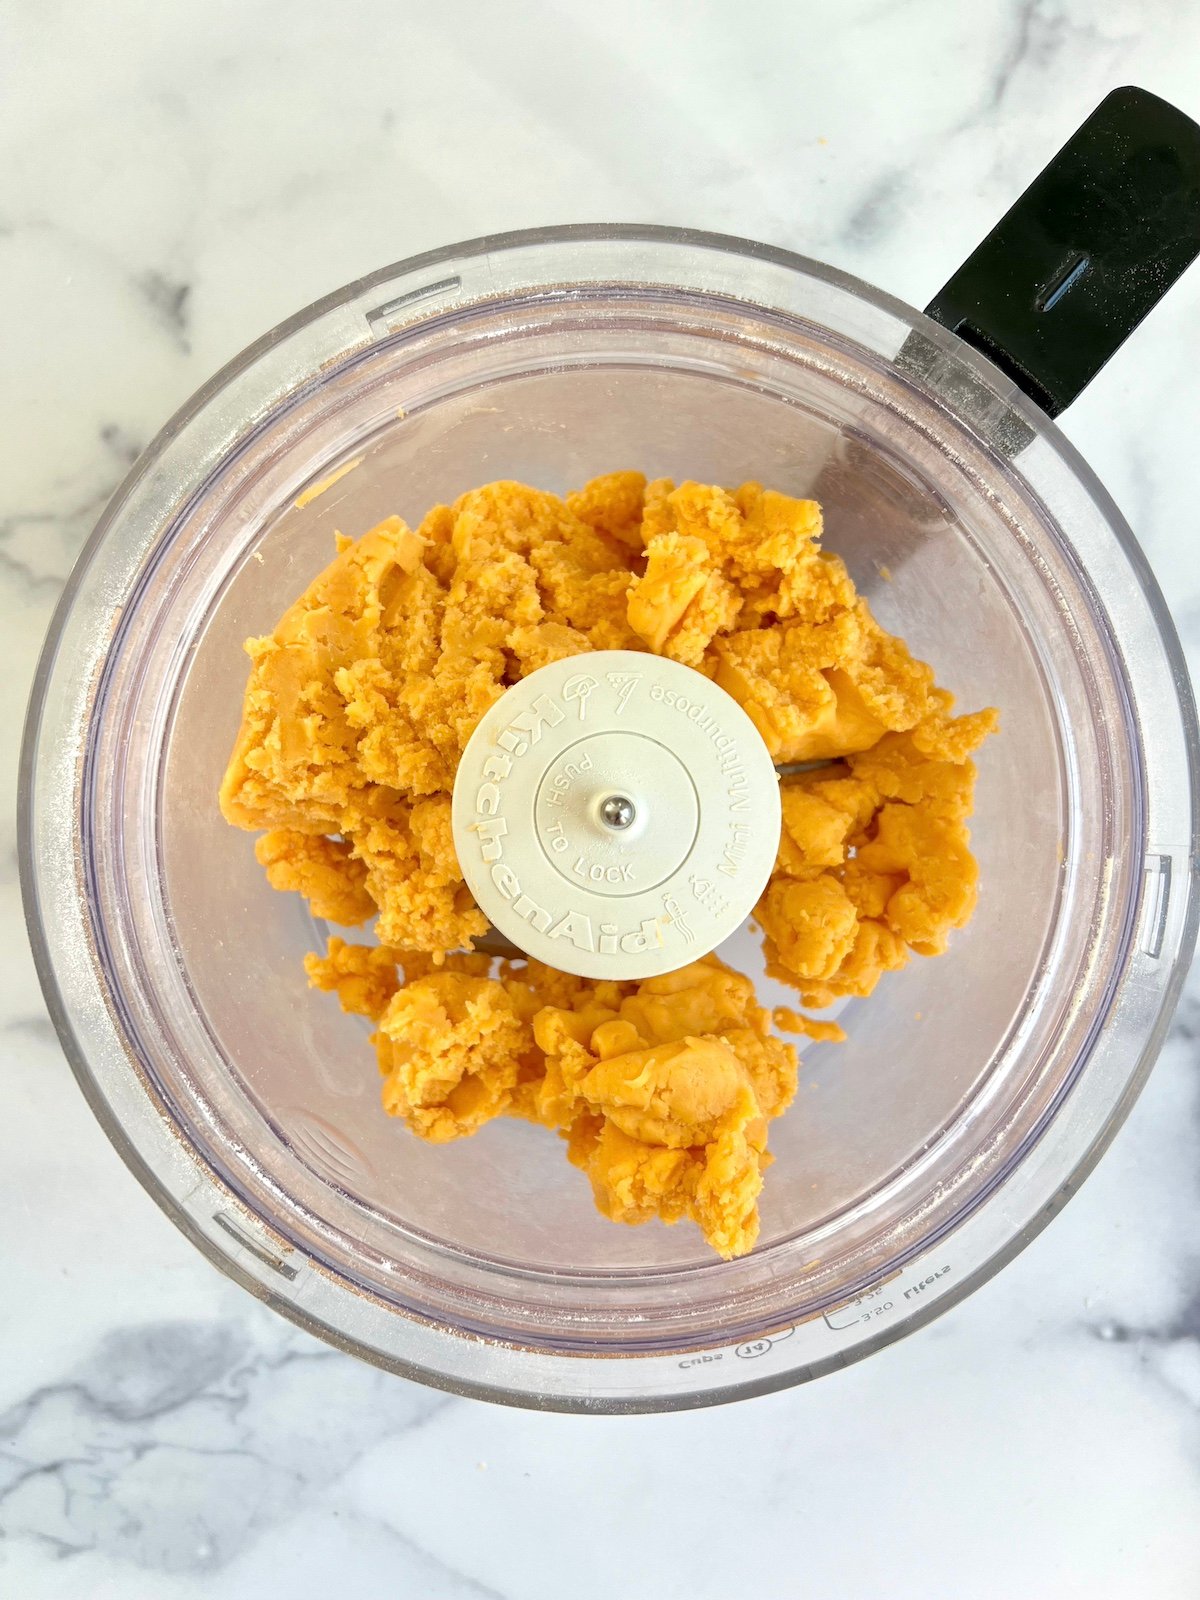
{"points": [[974, 1091]]}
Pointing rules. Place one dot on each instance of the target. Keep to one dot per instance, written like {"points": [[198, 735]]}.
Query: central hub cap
{"points": [[616, 815], [595, 783]]}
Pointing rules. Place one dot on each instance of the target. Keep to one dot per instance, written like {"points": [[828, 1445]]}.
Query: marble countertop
{"points": [[172, 181]]}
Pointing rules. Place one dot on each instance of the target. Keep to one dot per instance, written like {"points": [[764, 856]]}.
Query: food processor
{"points": [[973, 1092]]}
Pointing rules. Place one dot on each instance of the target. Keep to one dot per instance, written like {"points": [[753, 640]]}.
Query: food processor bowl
{"points": [[973, 1091]]}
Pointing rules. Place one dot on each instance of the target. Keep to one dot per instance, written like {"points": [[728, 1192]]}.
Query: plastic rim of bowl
{"points": [[1160, 914]]}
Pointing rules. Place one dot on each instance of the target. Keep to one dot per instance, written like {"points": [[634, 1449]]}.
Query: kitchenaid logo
{"points": [[729, 762], [577, 926], [525, 729], [490, 827]]}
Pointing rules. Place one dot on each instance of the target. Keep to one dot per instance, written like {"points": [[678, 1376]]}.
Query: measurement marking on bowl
{"points": [[705, 1360], [754, 1348], [864, 1308], [884, 1298], [268, 1257], [380, 319]]}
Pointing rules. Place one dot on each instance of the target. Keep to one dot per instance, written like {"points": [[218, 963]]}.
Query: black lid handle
{"points": [[1091, 246]]}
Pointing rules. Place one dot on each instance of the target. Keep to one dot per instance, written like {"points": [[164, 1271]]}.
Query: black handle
{"points": [[1091, 246]]}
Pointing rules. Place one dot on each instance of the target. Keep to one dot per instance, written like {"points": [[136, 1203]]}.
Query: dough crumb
{"points": [[789, 1021], [316, 490]]}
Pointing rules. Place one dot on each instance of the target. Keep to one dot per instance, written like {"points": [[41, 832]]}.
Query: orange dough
{"points": [[357, 710]]}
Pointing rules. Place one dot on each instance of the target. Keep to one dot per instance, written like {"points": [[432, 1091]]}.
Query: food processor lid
{"points": [[616, 815]]}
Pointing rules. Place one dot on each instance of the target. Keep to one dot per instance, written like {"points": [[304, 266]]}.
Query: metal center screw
{"points": [[617, 811]]}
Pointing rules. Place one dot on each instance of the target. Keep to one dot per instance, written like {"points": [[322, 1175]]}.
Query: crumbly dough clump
{"points": [[663, 1089], [361, 701]]}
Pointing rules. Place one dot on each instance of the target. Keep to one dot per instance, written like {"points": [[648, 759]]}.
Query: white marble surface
{"points": [[175, 178]]}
